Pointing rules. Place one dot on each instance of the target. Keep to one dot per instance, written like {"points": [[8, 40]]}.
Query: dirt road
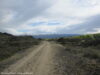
{"points": [[46, 59]]}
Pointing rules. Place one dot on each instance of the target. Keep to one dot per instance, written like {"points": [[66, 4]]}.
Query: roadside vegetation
{"points": [[84, 54], [9, 44], [83, 40]]}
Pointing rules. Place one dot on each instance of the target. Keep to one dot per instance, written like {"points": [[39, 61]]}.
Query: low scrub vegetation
{"points": [[10, 44], [84, 54], [83, 40]]}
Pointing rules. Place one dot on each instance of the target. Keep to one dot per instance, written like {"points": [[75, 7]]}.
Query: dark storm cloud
{"points": [[16, 12], [89, 25]]}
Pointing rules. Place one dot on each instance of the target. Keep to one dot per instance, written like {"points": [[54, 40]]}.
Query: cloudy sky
{"points": [[49, 16]]}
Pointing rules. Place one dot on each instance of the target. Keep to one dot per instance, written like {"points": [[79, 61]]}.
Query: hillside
{"points": [[84, 53], [10, 44], [50, 36], [77, 55], [83, 40]]}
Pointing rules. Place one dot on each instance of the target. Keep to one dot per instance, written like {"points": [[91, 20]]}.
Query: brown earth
{"points": [[48, 58]]}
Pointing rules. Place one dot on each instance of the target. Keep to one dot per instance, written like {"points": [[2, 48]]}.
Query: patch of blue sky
{"points": [[87, 3], [37, 23], [53, 23]]}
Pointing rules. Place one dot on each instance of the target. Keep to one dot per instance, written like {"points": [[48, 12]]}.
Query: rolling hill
{"points": [[50, 36], [10, 44]]}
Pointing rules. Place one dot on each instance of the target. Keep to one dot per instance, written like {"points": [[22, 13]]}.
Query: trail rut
{"points": [[41, 61]]}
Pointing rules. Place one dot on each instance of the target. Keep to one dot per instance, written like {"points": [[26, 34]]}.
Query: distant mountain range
{"points": [[54, 35]]}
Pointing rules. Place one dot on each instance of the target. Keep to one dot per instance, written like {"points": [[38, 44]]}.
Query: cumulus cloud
{"points": [[49, 16]]}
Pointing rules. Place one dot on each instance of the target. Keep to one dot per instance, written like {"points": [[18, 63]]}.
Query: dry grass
{"points": [[10, 44], [83, 54]]}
